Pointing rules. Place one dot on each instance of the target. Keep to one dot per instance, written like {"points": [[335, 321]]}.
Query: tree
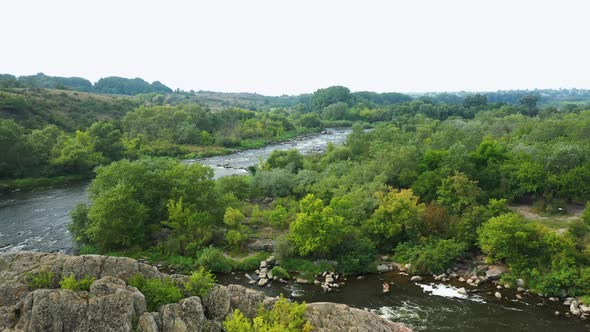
{"points": [[511, 238], [316, 229], [476, 100], [399, 216], [529, 102], [457, 193], [328, 96], [117, 219], [106, 139], [291, 160], [191, 229]]}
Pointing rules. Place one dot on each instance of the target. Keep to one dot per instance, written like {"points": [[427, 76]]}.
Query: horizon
{"points": [[294, 48]]}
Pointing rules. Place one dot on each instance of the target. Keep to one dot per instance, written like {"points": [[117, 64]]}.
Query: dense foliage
{"points": [[432, 182], [284, 316]]}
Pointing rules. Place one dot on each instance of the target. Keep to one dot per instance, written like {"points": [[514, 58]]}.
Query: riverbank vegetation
{"points": [[429, 191], [430, 184]]}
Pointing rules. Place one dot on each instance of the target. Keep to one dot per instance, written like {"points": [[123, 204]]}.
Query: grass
{"points": [[307, 269], [554, 224], [30, 184]]}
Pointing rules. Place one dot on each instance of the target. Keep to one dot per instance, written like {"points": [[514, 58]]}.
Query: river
{"points": [[38, 221]]}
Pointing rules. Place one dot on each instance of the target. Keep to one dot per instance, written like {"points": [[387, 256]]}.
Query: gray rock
{"points": [[462, 290], [519, 283], [263, 264], [147, 323], [329, 280], [585, 308], [498, 295], [217, 303], [110, 306], [333, 317], [245, 299], [382, 268], [416, 278], [494, 272], [184, 316], [262, 282]]}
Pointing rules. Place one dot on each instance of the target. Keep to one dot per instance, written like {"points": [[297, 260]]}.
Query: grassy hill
{"points": [[69, 110]]}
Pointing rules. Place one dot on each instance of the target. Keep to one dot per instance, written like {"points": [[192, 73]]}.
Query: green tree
{"points": [[457, 193], [316, 229], [398, 216]]}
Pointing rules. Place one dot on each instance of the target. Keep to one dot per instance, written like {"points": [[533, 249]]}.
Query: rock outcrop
{"points": [[112, 305], [335, 317]]}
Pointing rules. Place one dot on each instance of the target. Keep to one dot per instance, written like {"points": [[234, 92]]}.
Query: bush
{"points": [[41, 279], [283, 248], [433, 256], [200, 282], [274, 183], [280, 273], [157, 292], [236, 240], [356, 255], [284, 316], [213, 259], [76, 285]]}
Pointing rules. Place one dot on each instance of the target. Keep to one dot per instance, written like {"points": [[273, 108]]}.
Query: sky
{"points": [[289, 47]]}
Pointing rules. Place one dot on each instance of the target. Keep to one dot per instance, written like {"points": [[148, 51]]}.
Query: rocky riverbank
{"points": [[478, 276], [112, 305]]}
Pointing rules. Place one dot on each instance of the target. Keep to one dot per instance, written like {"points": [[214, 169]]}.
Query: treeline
{"points": [[426, 190], [185, 131], [107, 85]]}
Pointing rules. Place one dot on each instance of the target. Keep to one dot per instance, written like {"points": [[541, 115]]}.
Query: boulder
{"points": [[382, 268], [334, 317], [217, 303], [416, 278], [498, 295], [462, 290], [184, 316], [245, 299], [494, 272], [519, 283], [262, 282], [585, 308], [109, 305], [147, 323]]}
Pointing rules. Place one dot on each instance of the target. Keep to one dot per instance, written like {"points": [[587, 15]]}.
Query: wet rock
{"points": [[262, 282], [553, 299], [462, 290], [585, 308], [416, 278], [461, 279], [518, 296], [498, 295], [302, 281], [556, 313]]}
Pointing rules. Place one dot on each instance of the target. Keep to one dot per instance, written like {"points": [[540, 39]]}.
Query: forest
{"points": [[428, 180]]}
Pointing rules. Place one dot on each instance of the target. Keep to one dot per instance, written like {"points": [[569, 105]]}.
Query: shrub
{"points": [[76, 285], [280, 273], [157, 292], [200, 282], [212, 259], [236, 239], [283, 248], [433, 256], [41, 279], [284, 316]]}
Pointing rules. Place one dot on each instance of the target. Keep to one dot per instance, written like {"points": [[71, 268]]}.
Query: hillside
{"points": [[69, 110]]}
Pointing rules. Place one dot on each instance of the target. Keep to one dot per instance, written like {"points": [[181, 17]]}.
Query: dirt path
{"points": [[559, 223]]}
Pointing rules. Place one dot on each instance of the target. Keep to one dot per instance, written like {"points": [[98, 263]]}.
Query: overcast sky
{"points": [[288, 47]]}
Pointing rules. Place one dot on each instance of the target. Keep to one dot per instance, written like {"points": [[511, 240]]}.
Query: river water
{"points": [[38, 221]]}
